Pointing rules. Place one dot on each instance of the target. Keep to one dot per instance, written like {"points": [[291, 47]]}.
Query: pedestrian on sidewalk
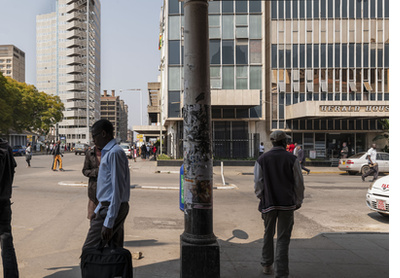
{"points": [[7, 170], [302, 159], [91, 170], [261, 149], [113, 189], [373, 165], [28, 154], [57, 154], [278, 183], [345, 150]]}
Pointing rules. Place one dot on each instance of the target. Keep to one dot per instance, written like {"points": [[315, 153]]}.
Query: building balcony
{"points": [[76, 52], [76, 25], [71, 61], [74, 6], [76, 78], [76, 87], [77, 15], [75, 113], [76, 43], [76, 69], [75, 104], [76, 34], [74, 122], [74, 96]]}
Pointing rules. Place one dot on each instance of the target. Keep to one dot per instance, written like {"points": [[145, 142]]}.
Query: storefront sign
{"points": [[354, 108]]}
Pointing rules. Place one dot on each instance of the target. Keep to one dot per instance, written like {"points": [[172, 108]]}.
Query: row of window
{"points": [[224, 7], [329, 9], [330, 55], [330, 124], [331, 80], [227, 77], [222, 52]]}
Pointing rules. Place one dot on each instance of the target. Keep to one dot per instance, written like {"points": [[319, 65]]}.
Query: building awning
{"points": [[353, 87], [367, 86], [149, 130]]}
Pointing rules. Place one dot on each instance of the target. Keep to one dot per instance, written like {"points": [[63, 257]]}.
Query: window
{"points": [[274, 8], [287, 9], [227, 52], [242, 52], [351, 8], [316, 8], [214, 26], [227, 7], [330, 8], [174, 78], [173, 7], [174, 52], [228, 78], [302, 55], [227, 27], [255, 52], [215, 52], [255, 77], [174, 98], [316, 55], [295, 13], [309, 8], [365, 60], [330, 55], [241, 6], [344, 8], [215, 77], [255, 6], [344, 55], [255, 27], [309, 55], [241, 77], [174, 30], [295, 56], [274, 54], [214, 7]]}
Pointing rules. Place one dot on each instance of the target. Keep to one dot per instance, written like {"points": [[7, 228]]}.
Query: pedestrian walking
{"points": [[91, 170], [113, 189], [295, 149], [143, 151], [345, 150], [302, 159], [7, 170], [278, 183], [373, 165], [28, 154], [135, 153], [57, 154], [261, 149]]}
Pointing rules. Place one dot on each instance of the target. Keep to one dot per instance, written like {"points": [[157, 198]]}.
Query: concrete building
{"points": [[68, 64], [116, 111], [328, 72], [237, 70], [12, 62]]}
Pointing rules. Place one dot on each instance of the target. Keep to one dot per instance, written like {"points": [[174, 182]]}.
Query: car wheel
{"points": [[351, 173], [364, 169]]}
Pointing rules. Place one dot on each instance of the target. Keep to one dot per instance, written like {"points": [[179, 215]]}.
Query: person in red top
{"points": [[290, 147]]}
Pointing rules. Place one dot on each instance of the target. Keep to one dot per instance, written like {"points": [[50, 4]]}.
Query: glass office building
{"points": [[237, 70], [328, 72]]}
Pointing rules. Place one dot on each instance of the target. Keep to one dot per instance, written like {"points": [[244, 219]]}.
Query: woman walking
{"points": [[28, 155]]}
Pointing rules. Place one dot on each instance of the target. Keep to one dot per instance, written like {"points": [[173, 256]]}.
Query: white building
{"points": [[68, 64]]}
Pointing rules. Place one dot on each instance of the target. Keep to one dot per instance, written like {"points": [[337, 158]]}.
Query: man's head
{"points": [[279, 138], [102, 133], [373, 146]]}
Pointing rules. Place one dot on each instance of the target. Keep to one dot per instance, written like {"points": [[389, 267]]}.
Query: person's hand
{"points": [[106, 233]]}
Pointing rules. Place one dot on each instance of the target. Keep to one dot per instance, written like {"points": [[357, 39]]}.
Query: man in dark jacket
{"points": [[278, 183], [7, 169], [91, 170]]}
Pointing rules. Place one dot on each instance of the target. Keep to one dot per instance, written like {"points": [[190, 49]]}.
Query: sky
{"points": [[129, 44]]}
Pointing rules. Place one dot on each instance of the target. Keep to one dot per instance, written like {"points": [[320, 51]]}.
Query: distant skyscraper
{"points": [[115, 110], [12, 62], [68, 63]]}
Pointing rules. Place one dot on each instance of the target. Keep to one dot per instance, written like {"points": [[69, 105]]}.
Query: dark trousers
{"points": [[284, 219], [304, 168], [93, 238], [372, 170], [10, 266]]}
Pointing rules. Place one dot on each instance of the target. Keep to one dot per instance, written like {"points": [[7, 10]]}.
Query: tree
{"points": [[23, 107]]}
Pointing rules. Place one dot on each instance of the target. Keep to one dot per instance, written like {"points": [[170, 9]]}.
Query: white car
{"points": [[127, 149], [377, 198], [358, 163]]}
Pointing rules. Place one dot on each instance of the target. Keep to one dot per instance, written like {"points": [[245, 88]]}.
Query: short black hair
{"points": [[103, 124]]}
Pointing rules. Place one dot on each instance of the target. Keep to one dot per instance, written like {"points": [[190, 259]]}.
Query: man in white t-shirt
{"points": [[373, 165], [261, 149]]}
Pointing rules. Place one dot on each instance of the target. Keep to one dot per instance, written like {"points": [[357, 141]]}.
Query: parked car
{"points": [[377, 198], [18, 150], [358, 163], [127, 149], [81, 148]]}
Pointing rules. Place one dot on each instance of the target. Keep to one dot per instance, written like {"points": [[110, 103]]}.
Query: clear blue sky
{"points": [[129, 43]]}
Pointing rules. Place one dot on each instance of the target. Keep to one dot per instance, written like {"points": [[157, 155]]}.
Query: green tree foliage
{"points": [[23, 107]]}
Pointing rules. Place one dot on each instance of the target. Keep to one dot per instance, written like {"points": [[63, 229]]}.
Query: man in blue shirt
{"points": [[113, 189]]}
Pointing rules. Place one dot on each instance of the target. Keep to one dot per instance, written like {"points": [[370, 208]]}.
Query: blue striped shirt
{"points": [[113, 182]]}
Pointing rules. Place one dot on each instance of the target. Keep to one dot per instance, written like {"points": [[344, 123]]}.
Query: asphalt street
{"points": [[50, 225]]}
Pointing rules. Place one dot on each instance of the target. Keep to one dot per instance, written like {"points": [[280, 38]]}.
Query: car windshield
{"points": [[357, 155], [125, 146], [79, 146]]}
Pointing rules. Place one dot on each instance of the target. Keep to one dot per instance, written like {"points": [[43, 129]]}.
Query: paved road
{"points": [[50, 225]]}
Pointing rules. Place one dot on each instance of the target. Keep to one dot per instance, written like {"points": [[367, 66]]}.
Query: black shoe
{"points": [[308, 172], [62, 170], [363, 178], [54, 170]]}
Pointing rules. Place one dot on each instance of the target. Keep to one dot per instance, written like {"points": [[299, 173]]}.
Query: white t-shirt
{"points": [[261, 148], [372, 153]]}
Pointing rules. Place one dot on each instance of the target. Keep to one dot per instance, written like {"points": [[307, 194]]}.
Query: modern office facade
{"points": [[115, 110], [12, 62], [328, 72], [237, 70], [68, 64]]}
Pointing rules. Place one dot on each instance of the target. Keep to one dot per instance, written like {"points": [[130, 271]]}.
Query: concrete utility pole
{"points": [[199, 247]]}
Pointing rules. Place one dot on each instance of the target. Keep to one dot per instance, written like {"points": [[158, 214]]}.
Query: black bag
{"points": [[106, 262]]}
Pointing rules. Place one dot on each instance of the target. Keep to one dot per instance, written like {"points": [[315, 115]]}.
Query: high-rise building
{"points": [[12, 62], [237, 70], [68, 64], [115, 110], [328, 72]]}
